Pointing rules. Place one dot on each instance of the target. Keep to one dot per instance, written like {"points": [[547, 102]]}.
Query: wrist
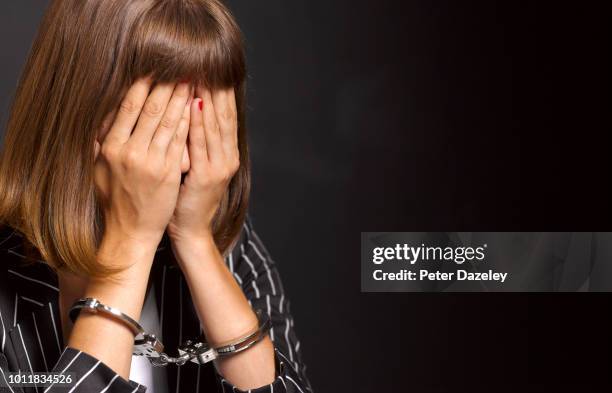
{"points": [[133, 260], [114, 247], [126, 293], [180, 238], [189, 248], [117, 233]]}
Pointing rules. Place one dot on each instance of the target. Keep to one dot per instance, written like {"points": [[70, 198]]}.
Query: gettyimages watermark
{"points": [[486, 261], [421, 254]]}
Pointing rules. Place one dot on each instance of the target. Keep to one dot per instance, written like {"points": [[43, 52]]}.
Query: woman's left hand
{"points": [[214, 159], [222, 307]]}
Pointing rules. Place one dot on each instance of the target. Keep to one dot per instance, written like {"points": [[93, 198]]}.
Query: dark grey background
{"points": [[421, 116]]}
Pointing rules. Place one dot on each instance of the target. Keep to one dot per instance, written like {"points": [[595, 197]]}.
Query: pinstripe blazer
{"points": [[31, 335]]}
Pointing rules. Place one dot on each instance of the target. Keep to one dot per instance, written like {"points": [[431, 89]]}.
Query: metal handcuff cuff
{"points": [[148, 345]]}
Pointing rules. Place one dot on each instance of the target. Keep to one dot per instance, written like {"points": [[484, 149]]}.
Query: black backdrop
{"points": [[421, 115]]}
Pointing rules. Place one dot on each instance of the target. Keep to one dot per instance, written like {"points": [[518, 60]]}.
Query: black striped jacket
{"points": [[31, 335]]}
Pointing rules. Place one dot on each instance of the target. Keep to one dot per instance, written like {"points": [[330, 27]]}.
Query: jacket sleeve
{"points": [[258, 276], [87, 373]]}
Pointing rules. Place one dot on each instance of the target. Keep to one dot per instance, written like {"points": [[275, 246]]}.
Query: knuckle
{"points": [[198, 140], [228, 114], [108, 151], [184, 92], [168, 122], [177, 138], [129, 107], [153, 108], [131, 158], [225, 174], [153, 172], [235, 165]]}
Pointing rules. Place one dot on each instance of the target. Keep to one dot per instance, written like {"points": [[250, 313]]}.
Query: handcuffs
{"points": [[194, 350]]}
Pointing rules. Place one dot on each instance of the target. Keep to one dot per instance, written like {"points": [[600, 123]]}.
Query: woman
{"points": [[125, 178]]}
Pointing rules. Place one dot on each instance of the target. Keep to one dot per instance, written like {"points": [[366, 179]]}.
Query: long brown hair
{"points": [[85, 56]]}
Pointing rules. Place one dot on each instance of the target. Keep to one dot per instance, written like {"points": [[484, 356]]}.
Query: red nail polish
{"points": [[201, 104]]}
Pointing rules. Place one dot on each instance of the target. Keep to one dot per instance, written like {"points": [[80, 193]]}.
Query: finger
{"points": [[197, 138], [151, 115], [170, 120], [186, 161], [179, 138], [211, 128], [97, 149], [224, 103], [129, 111], [106, 125]]}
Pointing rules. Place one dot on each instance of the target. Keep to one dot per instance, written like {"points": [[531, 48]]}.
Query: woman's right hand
{"points": [[137, 170], [137, 176]]}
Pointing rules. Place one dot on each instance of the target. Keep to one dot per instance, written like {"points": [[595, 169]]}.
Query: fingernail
{"points": [[201, 104]]}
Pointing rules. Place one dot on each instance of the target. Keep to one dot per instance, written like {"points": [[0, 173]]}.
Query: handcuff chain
{"points": [[187, 352], [164, 359]]}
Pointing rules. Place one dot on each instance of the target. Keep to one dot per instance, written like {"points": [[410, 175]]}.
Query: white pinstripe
{"points": [[268, 306], [264, 260], [296, 385], [109, 384], [270, 316], [248, 261], [11, 251], [15, 312], [287, 338], [27, 299], [3, 332], [26, 352], [59, 347], [40, 343], [33, 279], [84, 376], [291, 363], [254, 285], [5, 381], [66, 368]]}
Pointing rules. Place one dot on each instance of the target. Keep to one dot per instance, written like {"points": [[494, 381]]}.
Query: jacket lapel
{"points": [[33, 339]]}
